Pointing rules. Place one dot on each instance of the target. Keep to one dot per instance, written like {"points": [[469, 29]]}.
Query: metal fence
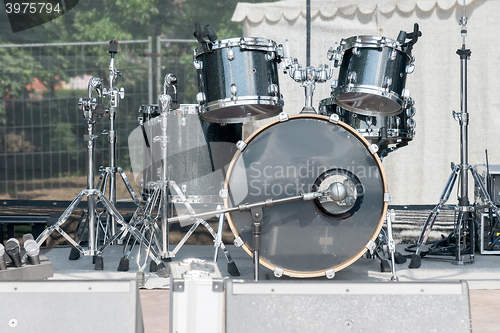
{"points": [[42, 151]]}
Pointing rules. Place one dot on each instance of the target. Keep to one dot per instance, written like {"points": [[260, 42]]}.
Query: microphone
{"points": [[3, 265], [210, 33], [33, 251], [12, 248], [27, 237]]}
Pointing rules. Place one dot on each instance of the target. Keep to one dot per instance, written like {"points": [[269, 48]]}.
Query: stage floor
{"points": [[482, 277]]}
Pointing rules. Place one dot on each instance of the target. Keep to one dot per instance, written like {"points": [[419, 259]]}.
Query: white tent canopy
{"points": [[418, 172]]}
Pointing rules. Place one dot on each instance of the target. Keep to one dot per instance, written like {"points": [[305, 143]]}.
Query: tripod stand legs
{"points": [[416, 260], [231, 266], [463, 210]]}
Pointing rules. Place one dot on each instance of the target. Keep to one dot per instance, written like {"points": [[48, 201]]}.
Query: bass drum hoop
{"points": [[302, 274]]}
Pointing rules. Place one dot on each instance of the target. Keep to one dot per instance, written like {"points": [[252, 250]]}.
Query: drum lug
{"points": [[278, 272], [270, 56], [410, 112], [336, 54], [351, 78], [355, 51], [238, 242], [387, 197], [223, 193], [387, 84], [198, 64], [230, 54], [234, 91], [373, 148], [273, 89], [334, 84], [334, 118], [201, 98], [411, 66], [394, 53], [283, 116], [330, 274], [406, 95], [280, 52], [241, 145]]}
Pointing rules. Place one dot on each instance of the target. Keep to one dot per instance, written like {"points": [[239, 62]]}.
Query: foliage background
{"points": [[41, 128]]}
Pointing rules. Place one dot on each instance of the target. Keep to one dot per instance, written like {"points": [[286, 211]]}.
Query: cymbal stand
{"points": [[88, 106], [307, 77], [114, 96], [154, 247], [460, 171]]}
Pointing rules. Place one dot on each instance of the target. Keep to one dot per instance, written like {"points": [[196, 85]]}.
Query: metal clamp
{"points": [[334, 118], [278, 272], [241, 145], [371, 245], [373, 148], [283, 116], [238, 242], [224, 193], [330, 274]]}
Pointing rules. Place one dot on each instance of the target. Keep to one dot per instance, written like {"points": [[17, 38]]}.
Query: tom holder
{"points": [[307, 77]]}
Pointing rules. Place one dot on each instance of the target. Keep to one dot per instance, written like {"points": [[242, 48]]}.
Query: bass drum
{"points": [[307, 153]]}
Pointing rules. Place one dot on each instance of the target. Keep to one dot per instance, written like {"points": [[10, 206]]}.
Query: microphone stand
{"points": [[464, 207]]}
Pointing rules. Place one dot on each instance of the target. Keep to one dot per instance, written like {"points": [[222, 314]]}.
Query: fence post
{"points": [[150, 70], [158, 66]]}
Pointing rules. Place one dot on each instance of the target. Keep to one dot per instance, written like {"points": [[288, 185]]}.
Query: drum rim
{"points": [[208, 108], [340, 266], [371, 41], [373, 90], [263, 44]]}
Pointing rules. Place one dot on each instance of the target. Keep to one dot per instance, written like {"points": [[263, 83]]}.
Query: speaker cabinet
{"points": [[70, 306], [325, 306]]}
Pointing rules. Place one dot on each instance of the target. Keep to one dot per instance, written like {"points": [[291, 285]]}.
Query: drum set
{"points": [[305, 195]]}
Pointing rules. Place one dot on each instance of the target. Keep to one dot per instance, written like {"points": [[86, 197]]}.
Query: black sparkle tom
{"points": [[238, 80]]}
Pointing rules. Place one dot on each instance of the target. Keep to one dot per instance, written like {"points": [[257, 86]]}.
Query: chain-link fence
{"points": [[42, 148]]}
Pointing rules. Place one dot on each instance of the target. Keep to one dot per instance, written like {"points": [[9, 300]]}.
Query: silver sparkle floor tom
{"points": [[198, 151], [238, 80], [303, 154], [372, 75], [400, 129]]}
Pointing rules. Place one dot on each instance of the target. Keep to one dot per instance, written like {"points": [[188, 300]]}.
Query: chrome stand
{"points": [[390, 217], [109, 173], [88, 106], [464, 207], [307, 77]]}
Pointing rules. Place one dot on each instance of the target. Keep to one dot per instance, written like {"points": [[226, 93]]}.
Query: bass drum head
{"points": [[304, 154]]}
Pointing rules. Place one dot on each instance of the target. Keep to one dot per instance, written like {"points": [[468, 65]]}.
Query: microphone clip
{"points": [[207, 32]]}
